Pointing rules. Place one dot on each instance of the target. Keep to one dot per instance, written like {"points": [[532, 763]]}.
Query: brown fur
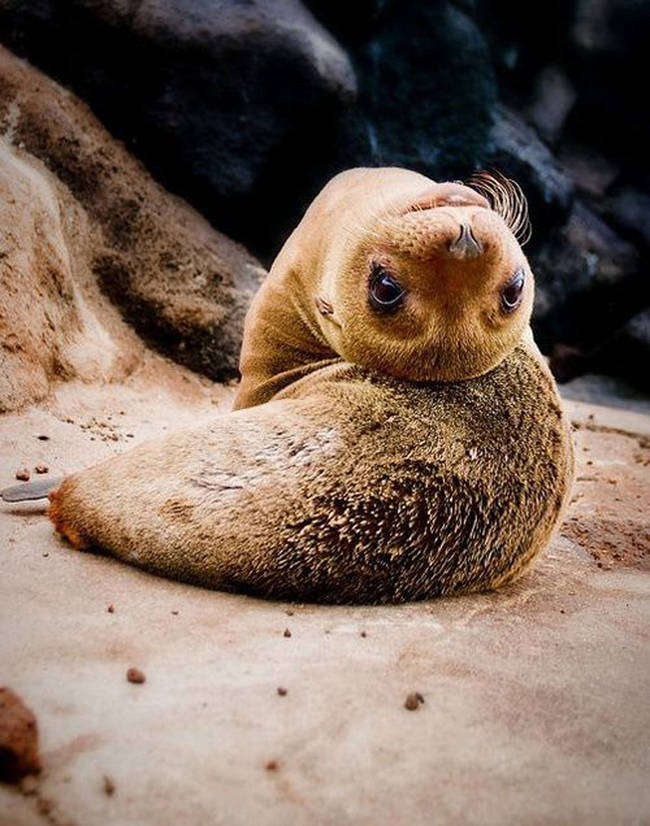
{"points": [[355, 473]]}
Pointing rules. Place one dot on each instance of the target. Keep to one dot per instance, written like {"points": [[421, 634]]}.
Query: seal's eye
{"points": [[385, 293], [512, 292]]}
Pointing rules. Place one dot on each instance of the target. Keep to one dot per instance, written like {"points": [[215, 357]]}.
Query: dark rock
{"points": [[428, 91], [629, 210], [587, 282], [350, 22], [625, 353], [591, 171], [608, 62], [553, 99], [518, 152], [525, 37], [206, 92], [628, 353], [426, 97]]}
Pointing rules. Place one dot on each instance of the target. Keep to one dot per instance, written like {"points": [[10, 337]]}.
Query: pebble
{"points": [[413, 701], [134, 675]]}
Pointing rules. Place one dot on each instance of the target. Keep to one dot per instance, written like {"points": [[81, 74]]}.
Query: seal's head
{"points": [[430, 285], [391, 271]]}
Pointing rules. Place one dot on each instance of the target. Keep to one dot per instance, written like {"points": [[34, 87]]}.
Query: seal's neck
{"points": [[283, 341]]}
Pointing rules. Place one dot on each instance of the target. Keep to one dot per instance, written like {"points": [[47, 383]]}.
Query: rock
{"points": [[628, 352], [587, 282], [591, 171], [431, 115], [349, 22], [209, 94], [624, 354], [80, 219], [553, 99], [525, 36], [18, 738], [629, 210], [607, 63], [428, 90], [518, 152]]}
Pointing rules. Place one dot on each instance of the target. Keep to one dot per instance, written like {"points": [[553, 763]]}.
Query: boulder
{"points": [[592, 172], [588, 282], [608, 62], [209, 93], [525, 37], [428, 89], [629, 210], [552, 100], [518, 152], [82, 220], [624, 354], [426, 99]]}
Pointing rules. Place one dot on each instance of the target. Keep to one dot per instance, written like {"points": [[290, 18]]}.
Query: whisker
{"points": [[507, 199]]}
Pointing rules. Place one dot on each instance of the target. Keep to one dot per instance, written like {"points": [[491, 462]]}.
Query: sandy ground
{"points": [[535, 698]]}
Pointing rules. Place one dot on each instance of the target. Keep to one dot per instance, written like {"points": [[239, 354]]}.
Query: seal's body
{"points": [[397, 436]]}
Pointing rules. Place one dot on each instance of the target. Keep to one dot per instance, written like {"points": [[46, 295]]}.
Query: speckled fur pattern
{"points": [[349, 487], [354, 469]]}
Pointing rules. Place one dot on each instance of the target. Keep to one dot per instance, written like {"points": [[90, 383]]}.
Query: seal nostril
{"points": [[466, 245]]}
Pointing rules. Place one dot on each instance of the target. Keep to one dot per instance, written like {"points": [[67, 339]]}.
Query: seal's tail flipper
{"points": [[28, 492]]}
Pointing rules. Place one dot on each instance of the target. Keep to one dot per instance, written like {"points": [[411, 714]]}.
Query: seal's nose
{"points": [[466, 245]]}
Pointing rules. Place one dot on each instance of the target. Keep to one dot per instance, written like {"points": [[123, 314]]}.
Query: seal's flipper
{"points": [[28, 492]]}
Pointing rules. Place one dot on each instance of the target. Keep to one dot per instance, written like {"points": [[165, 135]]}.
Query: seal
{"points": [[396, 434]]}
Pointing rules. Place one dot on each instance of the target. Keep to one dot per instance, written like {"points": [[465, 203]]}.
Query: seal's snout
{"points": [[466, 244]]}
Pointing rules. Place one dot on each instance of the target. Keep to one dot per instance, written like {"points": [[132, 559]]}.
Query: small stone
{"points": [[134, 675], [46, 553], [22, 474], [175, 613], [363, 634], [43, 437], [287, 633], [289, 612], [109, 786], [271, 766], [110, 608], [413, 701], [282, 691], [44, 805], [41, 468]]}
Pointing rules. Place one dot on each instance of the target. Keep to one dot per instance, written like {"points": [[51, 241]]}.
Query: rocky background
{"points": [[246, 107]]}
